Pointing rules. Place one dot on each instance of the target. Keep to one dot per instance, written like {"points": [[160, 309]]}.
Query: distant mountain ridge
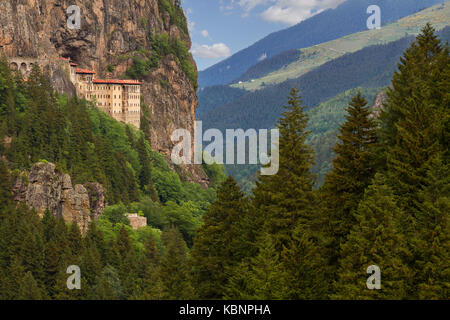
{"points": [[284, 66], [349, 17], [370, 67]]}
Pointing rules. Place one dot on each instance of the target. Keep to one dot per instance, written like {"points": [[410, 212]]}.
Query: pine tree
{"points": [[222, 241], [413, 120], [304, 267], [13, 279], [91, 267], [261, 278], [29, 288], [8, 115], [432, 241], [285, 199], [75, 241], [127, 263], [174, 272], [145, 174], [149, 270], [374, 240], [5, 189], [108, 286], [353, 169]]}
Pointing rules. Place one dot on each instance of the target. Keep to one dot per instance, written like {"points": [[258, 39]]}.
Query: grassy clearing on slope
{"points": [[318, 55]]}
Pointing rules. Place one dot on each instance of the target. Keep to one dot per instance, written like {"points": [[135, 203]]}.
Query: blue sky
{"points": [[220, 28]]}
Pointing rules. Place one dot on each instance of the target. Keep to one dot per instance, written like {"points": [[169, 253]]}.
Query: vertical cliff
{"points": [[116, 39], [44, 187]]}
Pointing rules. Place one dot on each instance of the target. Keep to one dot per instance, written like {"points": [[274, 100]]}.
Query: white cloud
{"points": [[248, 5], [263, 57], [205, 33], [218, 50], [294, 11], [285, 11]]}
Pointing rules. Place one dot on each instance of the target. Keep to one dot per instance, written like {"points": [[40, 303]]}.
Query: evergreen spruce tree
{"points": [[413, 122], [75, 242], [432, 242], [149, 270], [374, 240], [5, 190], [353, 169], [414, 134], [286, 199], [29, 288], [175, 272], [8, 116], [127, 264], [261, 278], [222, 241], [145, 174], [13, 279], [108, 286], [305, 267]]}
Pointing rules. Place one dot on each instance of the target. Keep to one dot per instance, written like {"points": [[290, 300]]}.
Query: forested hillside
{"points": [[349, 17], [39, 125], [315, 56], [385, 202], [370, 67], [323, 123]]}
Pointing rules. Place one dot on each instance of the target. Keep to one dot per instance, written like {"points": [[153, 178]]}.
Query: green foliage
{"points": [[261, 278], [285, 199], [161, 46], [353, 170], [286, 242], [222, 241], [175, 272], [374, 240]]}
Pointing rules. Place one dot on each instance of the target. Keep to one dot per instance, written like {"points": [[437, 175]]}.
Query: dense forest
{"points": [[385, 202]]}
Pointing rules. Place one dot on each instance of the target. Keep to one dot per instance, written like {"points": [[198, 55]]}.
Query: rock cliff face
{"points": [[378, 106], [45, 188], [111, 33]]}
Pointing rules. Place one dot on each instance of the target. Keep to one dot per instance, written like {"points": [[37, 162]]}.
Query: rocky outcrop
{"points": [[111, 33], [44, 188], [378, 106]]}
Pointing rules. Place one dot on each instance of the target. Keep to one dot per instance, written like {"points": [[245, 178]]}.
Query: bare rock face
{"points": [[46, 188], [96, 194], [378, 106], [111, 33]]}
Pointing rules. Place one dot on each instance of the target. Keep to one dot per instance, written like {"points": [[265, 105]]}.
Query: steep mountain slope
{"points": [[370, 67], [312, 57], [115, 36], [349, 17], [323, 123]]}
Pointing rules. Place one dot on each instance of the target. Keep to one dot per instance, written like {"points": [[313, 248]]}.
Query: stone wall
{"points": [[136, 222]]}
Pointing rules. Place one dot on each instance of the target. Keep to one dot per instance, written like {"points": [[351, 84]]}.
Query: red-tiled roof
{"points": [[73, 64], [116, 81], [65, 59], [85, 71]]}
